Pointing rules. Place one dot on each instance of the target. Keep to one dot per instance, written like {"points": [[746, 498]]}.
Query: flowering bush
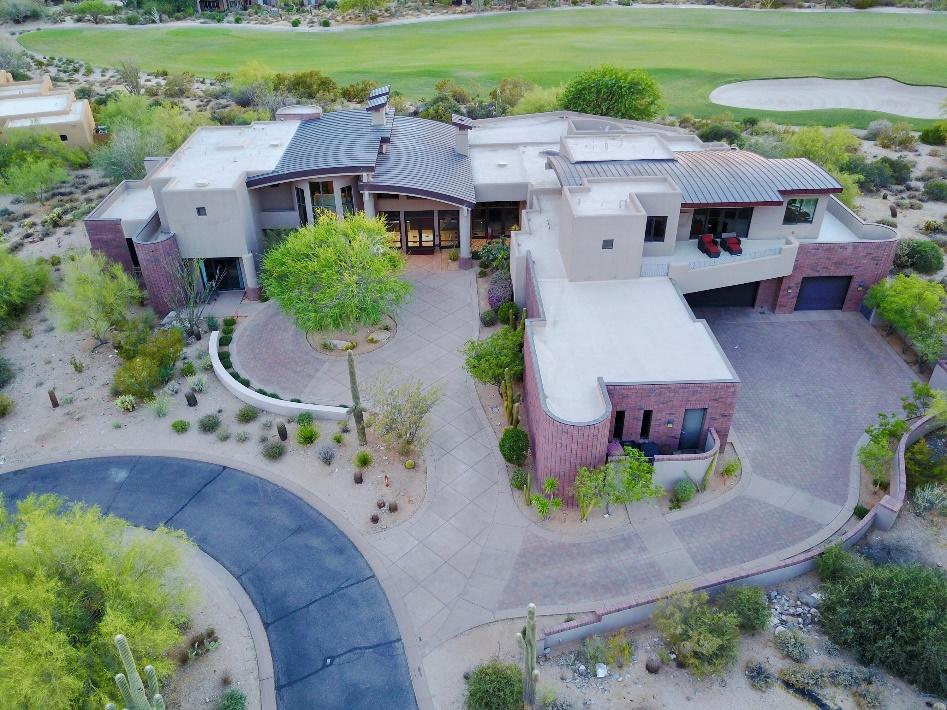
{"points": [[501, 290]]}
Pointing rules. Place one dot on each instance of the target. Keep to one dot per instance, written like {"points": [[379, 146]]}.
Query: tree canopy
{"points": [[914, 306], [612, 91], [618, 482], [70, 580], [336, 274]]}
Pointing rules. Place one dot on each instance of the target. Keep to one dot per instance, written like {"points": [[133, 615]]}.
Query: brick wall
{"points": [[156, 259], [107, 237], [766, 294], [865, 262], [668, 402]]}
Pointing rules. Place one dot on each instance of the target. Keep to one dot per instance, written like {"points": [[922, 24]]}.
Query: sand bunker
{"points": [[811, 93]]}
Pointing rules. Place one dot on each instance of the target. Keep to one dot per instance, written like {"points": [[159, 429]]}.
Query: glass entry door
{"points": [[227, 270], [448, 228], [393, 222], [419, 232]]}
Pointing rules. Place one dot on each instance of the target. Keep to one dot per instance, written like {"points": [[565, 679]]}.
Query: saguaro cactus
{"points": [[133, 690], [527, 642], [511, 399], [357, 413]]}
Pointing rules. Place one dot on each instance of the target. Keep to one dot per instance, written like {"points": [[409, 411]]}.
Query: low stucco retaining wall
{"points": [[260, 401], [638, 609]]}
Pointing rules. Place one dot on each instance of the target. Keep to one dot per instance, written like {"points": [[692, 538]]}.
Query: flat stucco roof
{"points": [[31, 105], [74, 114], [133, 203]]}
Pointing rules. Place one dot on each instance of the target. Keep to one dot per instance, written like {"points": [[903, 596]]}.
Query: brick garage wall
{"points": [[866, 262], [668, 401], [156, 259], [766, 294], [559, 449], [107, 237]]}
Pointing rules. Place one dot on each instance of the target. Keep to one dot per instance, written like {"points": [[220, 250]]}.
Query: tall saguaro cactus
{"points": [[527, 642], [133, 690], [511, 399], [357, 413]]}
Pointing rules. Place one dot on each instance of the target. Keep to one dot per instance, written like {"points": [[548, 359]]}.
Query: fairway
{"points": [[690, 51]]}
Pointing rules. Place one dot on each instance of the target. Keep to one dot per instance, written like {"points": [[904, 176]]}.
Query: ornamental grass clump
{"points": [[209, 423], [306, 435], [180, 426], [247, 413], [363, 459], [273, 450]]}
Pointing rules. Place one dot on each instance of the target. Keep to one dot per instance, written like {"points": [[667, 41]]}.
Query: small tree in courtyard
{"points": [[613, 91], [336, 274], [403, 413], [95, 296], [617, 482]]}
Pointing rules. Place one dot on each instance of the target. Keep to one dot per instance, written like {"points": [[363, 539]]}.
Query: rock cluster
{"points": [[787, 613]]}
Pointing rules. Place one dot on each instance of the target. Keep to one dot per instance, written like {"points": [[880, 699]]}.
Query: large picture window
{"points": [[800, 210], [655, 228]]}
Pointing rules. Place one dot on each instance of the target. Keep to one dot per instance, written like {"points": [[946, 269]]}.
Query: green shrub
{"points": [[860, 511], [805, 678], [684, 491], [273, 450], [495, 686], [304, 418], [936, 190], [514, 446], [22, 283], [233, 699], [6, 371], [613, 91], [225, 340], [325, 22], [212, 323], [507, 313], [705, 639], [126, 403], [161, 404], [748, 604], [488, 317], [519, 478], [731, 468], [338, 438], [720, 132], [188, 369], [935, 135], [180, 426], [6, 405], [306, 434], [209, 423], [836, 564], [295, 22], [247, 413], [227, 330], [230, 321], [792, 645], [592, 651], [363, 459], [890, 615], [919, 254], [760, 675], [922, 466]]}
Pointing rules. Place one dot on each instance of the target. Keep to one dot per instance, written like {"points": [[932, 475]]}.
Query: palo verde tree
{"points": [[336, 274], [618, 482], [613, 91], [95, 296], [915, 307]]}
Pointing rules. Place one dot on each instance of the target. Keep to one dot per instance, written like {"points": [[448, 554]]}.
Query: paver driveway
{"points": [[332, 635]]}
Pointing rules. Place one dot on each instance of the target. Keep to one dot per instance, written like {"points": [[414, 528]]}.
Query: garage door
{"points": [[740, 296], [823, 293]]}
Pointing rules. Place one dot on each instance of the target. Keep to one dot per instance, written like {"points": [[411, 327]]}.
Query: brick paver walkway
{"points": [[810, 384]]}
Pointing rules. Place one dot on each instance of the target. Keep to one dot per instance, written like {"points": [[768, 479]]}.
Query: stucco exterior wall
{"points": [[767, 222], [156, 259], [867, 263], [228, 230], [581, 236], [662, 205]]}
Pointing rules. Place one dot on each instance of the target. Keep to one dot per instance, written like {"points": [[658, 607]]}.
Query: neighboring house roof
{"points": [[712, 177], [338, 143], [423, 162]]}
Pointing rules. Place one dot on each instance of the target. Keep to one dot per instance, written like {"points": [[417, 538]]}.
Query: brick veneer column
{"points": [[107, 237], [866, 262], [766, 294], [156, 259]]}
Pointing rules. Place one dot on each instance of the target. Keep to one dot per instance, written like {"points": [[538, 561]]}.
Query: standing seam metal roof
{"points": [[712, 177]]}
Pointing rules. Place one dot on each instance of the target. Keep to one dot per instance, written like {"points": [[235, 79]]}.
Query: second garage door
{"points": [[823, 293], [740, 296]]}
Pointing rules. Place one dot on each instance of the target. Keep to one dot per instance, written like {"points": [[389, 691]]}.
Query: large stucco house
{"points": [[35, 104], [609, 249]]}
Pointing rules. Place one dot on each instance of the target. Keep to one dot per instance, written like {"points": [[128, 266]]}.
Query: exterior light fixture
{"points": [[861, 285], [670, 423]]}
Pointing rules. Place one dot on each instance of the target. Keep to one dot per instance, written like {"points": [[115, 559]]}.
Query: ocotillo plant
{"points": [[133, 690], [357, 413], [527, 642], [511, 399]]}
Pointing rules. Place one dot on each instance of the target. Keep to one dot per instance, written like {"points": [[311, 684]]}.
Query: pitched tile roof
{"points": [[712, 177]]}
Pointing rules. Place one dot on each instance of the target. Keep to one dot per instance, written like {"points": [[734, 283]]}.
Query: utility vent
{"points": [[201, 183], [502, 164], [299, 113]]}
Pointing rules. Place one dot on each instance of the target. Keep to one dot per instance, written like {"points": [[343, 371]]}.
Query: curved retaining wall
{"points": [[639, 609], [260, 401]]}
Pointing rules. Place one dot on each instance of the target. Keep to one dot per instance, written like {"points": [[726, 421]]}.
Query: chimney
{"points": [[377, 104], [462, 125]]}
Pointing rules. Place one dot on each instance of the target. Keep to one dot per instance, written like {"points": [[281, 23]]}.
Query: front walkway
{"points": [[811, 382]]}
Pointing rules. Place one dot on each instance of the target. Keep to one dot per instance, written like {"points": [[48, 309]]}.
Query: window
{"points": [[619, 429], [646, 424], [655, 228], [201, 211], [608, 244], [800, 210], [63, 137], [716, 221]]}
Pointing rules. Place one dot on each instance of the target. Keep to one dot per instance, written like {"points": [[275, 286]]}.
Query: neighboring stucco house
{"points": [[36, 105], [605, 218]]}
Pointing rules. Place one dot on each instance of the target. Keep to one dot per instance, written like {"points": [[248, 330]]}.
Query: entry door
{"points": [[231, 277], [823, 293], [419, 232], [691, 429]]}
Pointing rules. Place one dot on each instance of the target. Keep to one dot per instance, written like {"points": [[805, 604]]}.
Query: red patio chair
{"points": [[730, 243], [708, 245]]}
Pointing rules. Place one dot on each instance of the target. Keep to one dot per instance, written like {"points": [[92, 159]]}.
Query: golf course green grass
{"points": [[689, 51]]}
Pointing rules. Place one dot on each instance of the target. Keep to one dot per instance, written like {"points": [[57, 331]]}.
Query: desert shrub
{"points": [[890, 615], [273, 450], [306, 434], [897, 137], [232, 699], [519, 478], [403, 412], [748, 604], [488, 360], [161, 404], [731, 468], [126, 403], [500, 291], [16, 11], [935, 135], [358, 91], [836, 564], [592, 651], [888, 222], [683, 491], [724, 132], [876, 128], [241, 437], [705, 639], [81, 578], [495, 686], [198, 383], [801, 677], [6, 405], [613, 91], [930, 496], [338, 438], [326, 454], [760, 675], [188, 369], [304, 418], [619, 649], [488, 317], [205, 363], [21, 283], [363, 459], [922, 466], [248, 413], [209, 423], [919, 254], [152, 365], [792, 645], [180, 426], [514, 446], [6, 371], [508, 312], [936, 190]]}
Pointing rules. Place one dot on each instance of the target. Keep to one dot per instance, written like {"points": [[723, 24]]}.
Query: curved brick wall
{"points": [[155, 259]]}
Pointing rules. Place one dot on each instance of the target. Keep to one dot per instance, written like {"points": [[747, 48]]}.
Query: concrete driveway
{"points": [[332, 634]]}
